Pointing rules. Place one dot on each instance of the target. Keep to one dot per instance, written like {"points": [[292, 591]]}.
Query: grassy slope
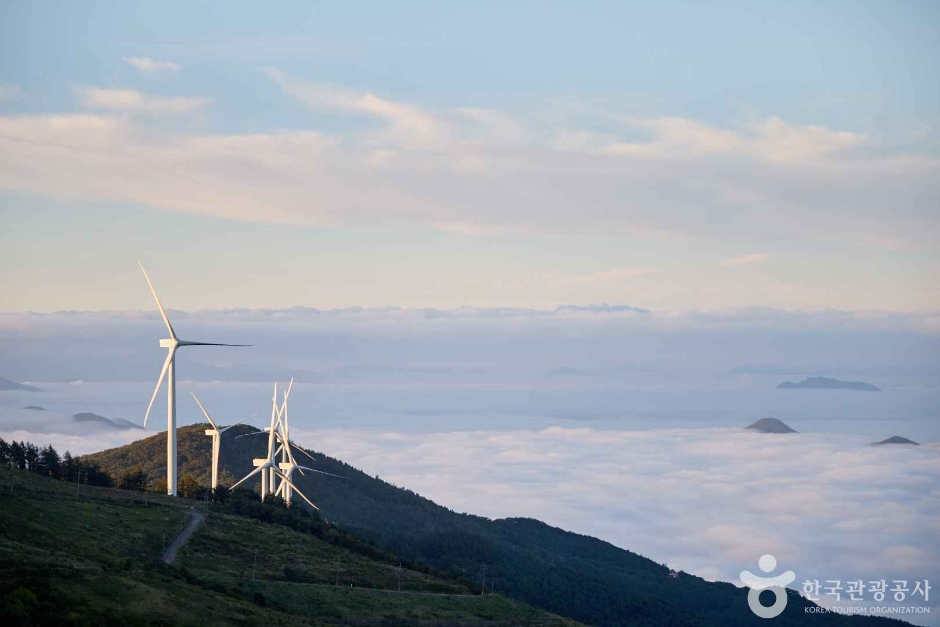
{"points": [[94, 560], [565, 573]]}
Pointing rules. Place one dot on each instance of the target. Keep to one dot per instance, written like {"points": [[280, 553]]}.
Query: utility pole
{"points": [[78, 483], [483, 591], [336, 585]]}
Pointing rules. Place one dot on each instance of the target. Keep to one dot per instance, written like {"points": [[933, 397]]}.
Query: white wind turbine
{"points": [[216, 433], [270, 468], [288, 464], [169, 368]]}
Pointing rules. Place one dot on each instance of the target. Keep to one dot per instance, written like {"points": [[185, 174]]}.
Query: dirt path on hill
{"points": [[181, 539]]}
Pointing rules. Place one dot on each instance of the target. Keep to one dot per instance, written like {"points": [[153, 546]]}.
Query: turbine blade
{"points": [[290, 453], [166, 366], [185, 343], [249, 475], [224, 429], [245, 435], [205, 413], [320, 471], [159, 306], [296, 489], [304, 452], [290, 457]]}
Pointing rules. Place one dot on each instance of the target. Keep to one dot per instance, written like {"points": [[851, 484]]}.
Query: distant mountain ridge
{"points": [[825, 383], [116, 423], [6, 384], [563, 572]]}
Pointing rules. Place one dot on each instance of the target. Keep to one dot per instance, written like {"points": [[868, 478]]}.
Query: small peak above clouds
{"points": [[895, 439], [116, 423], [6, 384], [825, 383], [771, 425]]}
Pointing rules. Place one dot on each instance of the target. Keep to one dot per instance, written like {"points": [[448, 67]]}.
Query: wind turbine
{"points": [[270, 468], [267, 477], [169, 368], [216, 433]]}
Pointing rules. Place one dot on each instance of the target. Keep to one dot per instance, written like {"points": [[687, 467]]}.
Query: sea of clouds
{"points": [[609, 421], [709, 501]]}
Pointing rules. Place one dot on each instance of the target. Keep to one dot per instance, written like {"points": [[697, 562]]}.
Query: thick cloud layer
{"points": [[707, 501], [572, 345]]}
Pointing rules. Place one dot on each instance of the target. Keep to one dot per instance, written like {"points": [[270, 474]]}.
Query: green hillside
{"points": [[81, 555], [565, 573]]}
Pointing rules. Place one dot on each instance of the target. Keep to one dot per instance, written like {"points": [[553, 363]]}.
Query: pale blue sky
{"points": [[668, 157]]}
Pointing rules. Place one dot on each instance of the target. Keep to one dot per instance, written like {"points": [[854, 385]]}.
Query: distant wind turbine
{"points": [[216, 433], [270, 468], [169, 367]]}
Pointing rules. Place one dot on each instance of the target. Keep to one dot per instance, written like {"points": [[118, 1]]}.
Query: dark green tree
{"points": [[135, 479], [189, 488], [220, 494], [17, 455], [49, 461], [68, 469], [91, 474], [31, 455]]}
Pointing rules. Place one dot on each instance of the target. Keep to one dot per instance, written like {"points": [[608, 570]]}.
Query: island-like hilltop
{"points": [[825, 383], [895, 439], [770, 425], [6, 384]]}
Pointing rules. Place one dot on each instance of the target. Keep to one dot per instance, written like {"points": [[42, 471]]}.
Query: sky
{"points": [[498, 245], [672, 157]]}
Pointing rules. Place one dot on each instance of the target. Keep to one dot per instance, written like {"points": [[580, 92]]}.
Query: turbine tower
{"points": [[216, 433], [169, 371]]}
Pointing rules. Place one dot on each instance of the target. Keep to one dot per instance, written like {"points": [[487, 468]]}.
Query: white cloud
{"points": [[10, 92], [771, 139], [410, 126], [152, 66], [129, 100], [484, 171], [744, 259]]}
